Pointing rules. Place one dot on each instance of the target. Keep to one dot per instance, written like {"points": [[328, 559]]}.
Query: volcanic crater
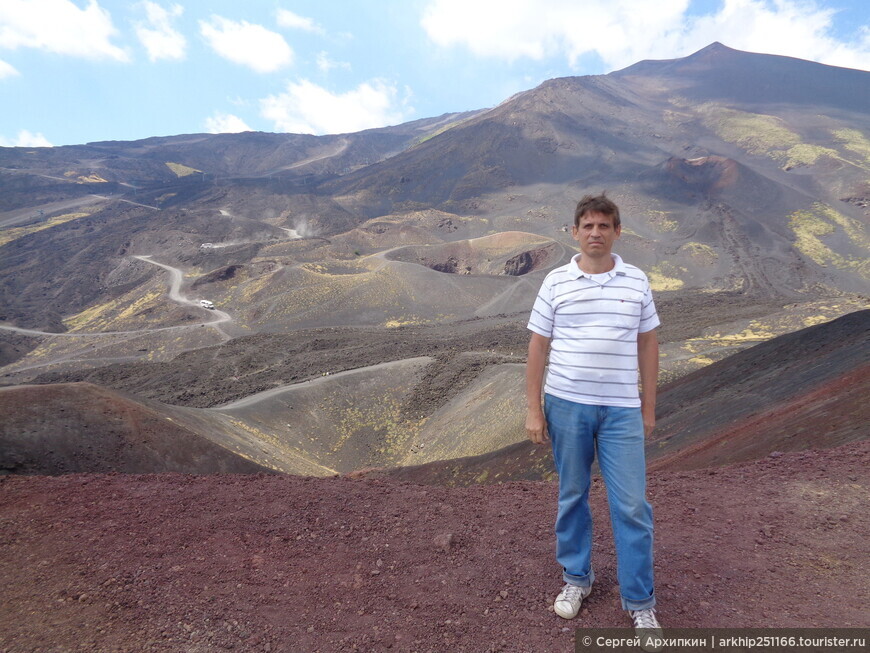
{"points": [[511, 253]]}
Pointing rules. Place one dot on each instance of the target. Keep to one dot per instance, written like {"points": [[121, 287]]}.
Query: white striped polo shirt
{"points": [[593, 321]]}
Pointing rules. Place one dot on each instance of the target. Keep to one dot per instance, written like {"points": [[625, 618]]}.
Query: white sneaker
{"points": [[567, 604], [647, 628]]}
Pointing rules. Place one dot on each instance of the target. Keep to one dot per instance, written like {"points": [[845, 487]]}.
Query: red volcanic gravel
{"points": [[172, 562]]}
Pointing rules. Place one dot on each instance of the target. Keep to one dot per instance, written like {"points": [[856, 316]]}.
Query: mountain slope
{"points": [[758, 79], [721, 186], [803, 390], [71, 428]]}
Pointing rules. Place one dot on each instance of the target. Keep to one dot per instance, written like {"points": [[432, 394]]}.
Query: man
{"points": [[597, 317]]}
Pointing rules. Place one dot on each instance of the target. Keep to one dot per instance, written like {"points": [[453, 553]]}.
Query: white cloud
{"points": [[622, 32], [59, 26], [225, 123], [287, 18], [7, 70], [26, 139], [307, 108], [245, 43], [325, 64], [160, 38]]}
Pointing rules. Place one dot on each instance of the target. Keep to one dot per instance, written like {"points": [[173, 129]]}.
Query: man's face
{"points": [[595, 234]]}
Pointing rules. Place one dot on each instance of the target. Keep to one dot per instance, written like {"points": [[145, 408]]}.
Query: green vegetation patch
{"points": [[660, 221], [700, 252], [756, 133], [92, 178], [854, 140], [854, 229], [94, 316], [761, 134], [440, 130], [113, 314], [676, 118], [385, 419], [811, 226], [665, 276], [803, 154], [180, 169], [8, 235]]}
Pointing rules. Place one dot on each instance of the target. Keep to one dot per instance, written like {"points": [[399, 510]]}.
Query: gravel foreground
{"points": [[173, 562]]}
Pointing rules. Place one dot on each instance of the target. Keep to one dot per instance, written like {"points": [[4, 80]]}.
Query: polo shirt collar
{"points": [[576, 272]]}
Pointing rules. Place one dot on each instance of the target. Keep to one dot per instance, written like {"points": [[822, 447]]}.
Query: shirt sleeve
{"points": [[649, 319], [541, 319]]}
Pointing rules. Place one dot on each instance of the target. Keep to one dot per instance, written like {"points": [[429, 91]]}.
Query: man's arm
{"points": [[648, 363], [536, 425]]}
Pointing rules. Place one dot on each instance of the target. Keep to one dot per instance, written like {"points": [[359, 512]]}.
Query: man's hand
{"points": [[648, 362], [649, 421], [536, 426]]}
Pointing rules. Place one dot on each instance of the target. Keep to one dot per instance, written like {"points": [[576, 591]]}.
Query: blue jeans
{"points": [[577, 432]]}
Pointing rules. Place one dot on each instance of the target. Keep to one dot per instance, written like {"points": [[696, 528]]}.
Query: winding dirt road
{"points": [[176, 278], [268, 394], [121, 199], [29, 214]]}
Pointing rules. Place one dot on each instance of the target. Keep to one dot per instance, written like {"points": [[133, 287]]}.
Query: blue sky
{"points": [[74, 71]]}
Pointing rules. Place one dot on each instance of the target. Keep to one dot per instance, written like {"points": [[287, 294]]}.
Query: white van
{"points": [[206, 304]]}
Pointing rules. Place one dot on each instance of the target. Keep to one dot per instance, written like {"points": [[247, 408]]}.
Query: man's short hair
{"points": [[596, 204]]}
